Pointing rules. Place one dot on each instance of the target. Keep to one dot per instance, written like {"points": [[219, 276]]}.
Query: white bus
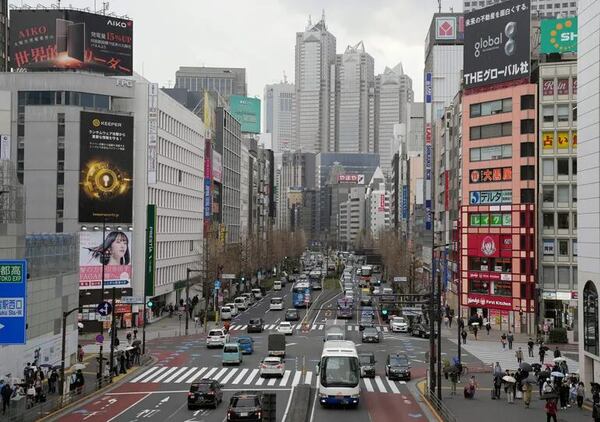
{"points": [[338, 380]]}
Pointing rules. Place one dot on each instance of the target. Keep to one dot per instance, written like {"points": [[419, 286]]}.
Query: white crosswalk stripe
{"points": [[250, 377], [243, 327], [313, 327], [320, 327]]}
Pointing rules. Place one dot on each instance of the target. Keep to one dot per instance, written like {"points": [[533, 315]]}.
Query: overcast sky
{"points": [[260, 34]]}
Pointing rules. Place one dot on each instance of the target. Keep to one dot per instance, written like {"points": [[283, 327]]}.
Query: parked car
{"points": [[285, 327], [370, 335], [367, 364], [217, 338], [398, 324], [397, 367], [206, 392], [232, 354], [246, 344], [255, 325], [276, 304], [272, 366], [226, 313], [292, 315], [244, 407]]}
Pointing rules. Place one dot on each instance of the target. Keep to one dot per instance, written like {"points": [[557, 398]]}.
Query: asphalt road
{"points": [[160, 392]]}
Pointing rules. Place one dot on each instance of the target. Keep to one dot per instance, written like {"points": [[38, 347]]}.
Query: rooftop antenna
{"points": [[284, 77], [309, 22], [439, 6], [105, 5]]}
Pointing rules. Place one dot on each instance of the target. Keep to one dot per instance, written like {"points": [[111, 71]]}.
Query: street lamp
{"points": [[187, 297], [64, 345]]}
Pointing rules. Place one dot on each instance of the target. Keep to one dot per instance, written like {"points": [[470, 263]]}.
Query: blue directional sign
{"points": [[13, 301], [104, 309], [217, 284]]}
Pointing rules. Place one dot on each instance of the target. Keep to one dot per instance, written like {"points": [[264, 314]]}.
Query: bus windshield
{"points": [[301, 294], [339, 371]]}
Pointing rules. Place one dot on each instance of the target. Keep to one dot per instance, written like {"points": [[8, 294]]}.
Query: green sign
{"points": [[11, 273], [507, 219], [496, 220], [475, 220], [558, 35], [246, 110], [150, 250], [485, 219]]}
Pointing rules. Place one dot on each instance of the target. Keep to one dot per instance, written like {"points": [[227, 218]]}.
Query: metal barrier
{"points": [[441, 409]]}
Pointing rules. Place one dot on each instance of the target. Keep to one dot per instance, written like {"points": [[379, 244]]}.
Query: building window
{"points": [[527, 196], [527, 173], [527, 126], [479, 286], [490, 108], [490, 153], [490, 131], [527, 149], [563, 221], [548, 194], [562, 166], [562, 112], [528, 102], [548, 220], [562, 194], [574, 112], [563, 247], [548, 114]]}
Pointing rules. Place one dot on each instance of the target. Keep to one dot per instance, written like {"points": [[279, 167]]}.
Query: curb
{"points": [[421, 387]]}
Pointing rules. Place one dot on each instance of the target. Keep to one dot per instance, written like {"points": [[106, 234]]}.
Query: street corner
{"points": [[105, 407]]}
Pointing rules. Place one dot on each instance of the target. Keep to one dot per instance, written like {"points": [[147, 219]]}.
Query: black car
{"points": [[367, 364], [206, 392], [370, 335], [366, 320], [420, 330], [292, 315], [256, 326], [245, 406], [397, 367]]}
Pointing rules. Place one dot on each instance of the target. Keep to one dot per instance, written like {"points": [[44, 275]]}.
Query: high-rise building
{"points": [[393, 94], [415, 129], [351, 218], [279, 104], [227, 81], [541, 8], [377, 207], [352, 102], [588, 189], [4, 58], [315, 72], [295, 172]]}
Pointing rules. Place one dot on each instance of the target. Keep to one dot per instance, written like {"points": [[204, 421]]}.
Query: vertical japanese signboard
{"points": [[150, 263], [207, 185], [428, 150], [13, 301], [152, 131]]}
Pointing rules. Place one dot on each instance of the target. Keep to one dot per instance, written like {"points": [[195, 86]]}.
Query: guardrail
{"points": [[441, 409]]}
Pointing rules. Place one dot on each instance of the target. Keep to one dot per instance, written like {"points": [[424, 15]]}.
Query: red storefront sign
{"points": [[488, 301], [122, 308], [489, 245], [492, 276], [495, 174], [548, 87], [563, 87]]}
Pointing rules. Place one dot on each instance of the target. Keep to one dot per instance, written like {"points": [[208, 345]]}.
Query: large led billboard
{"points": [[42, 39], [497, 43], [106, 168], [558, 35], [111, 250], [246, 110]]}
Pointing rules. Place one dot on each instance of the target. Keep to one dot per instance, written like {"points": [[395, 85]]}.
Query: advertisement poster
{"points": [[114, 251], [562, 140], [497, 42], [246, 110], [548, 140], [106, 168], [207, 185], [558, 35], [548, 87], [489, 245], [562, 87], [217, 167], [70, 39]]}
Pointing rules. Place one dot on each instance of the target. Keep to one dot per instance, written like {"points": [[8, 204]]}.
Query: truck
{"points": [[276, 345]]}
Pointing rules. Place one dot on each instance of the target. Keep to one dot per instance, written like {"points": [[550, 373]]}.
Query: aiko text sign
{"points": [[13, 301]]}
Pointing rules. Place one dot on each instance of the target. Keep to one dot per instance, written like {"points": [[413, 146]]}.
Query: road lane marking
{"points": [[320, 327], [284, 379], [380, 385], [296, 379], [386, 329], [308, 379], [368, 384], [243, 327], [221, 373], [154, 374], [272, 381], [251, 376], [299, 326], [187, 374], [179, 371], [393, 386], [313, 327], [154, 368], [206, 375], [129, 393], [240, 376], [165, 374], [128, 407], [260, 381], [229, 376]]}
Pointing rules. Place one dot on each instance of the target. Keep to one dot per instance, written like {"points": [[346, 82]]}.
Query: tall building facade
{"points": [[4, 54], [227, 81], [352, 102], [315, 73], [295, 172], [279, 102], [393, 95], [377, 206], [588, 189], [541, 8]]}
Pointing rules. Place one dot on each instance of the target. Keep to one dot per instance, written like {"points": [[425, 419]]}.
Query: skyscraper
{"points": [[279, 115], [393, 93], [315, 62], [226, 81], [352, 103]]}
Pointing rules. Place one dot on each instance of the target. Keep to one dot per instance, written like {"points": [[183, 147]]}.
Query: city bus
{"points": [[301, 294], [338, 374]]}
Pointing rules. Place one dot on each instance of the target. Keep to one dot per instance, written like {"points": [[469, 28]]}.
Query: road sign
{"points": [[99, 338], [217, 284], [228, 276], [104, 309], [400, 279], [13, 301], [132, 300]]}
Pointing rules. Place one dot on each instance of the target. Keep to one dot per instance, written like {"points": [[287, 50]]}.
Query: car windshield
{"points": [[245, 341], [370, 331], [284, 324], [292, 313], [366, 359], [398, 361], [272, 361], [254, 321], [339, 371], [244, 402], [231, 349], [225, 309], [215, 333], [399, 320], [201, 387], [276, 301]]}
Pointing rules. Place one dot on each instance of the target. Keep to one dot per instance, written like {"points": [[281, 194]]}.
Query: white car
{"points": [[398, 324], [272, 366], [276, 304], [216, 338], [249, 298], [226, 313], [234, 309], [286, 328], [241, 303], [257, 294]]}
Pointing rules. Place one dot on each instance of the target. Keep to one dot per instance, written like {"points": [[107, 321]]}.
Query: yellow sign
{"points": [[574, 139], [563, 140], [548, 140]]}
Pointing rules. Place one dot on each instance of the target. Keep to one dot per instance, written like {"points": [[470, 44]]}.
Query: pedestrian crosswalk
{"points": [[298, 327], [242, 377]]}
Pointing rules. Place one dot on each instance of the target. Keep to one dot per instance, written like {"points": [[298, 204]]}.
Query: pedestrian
{"points": [[463, 334], [6, 393], [128, 337], [572, 393], [580, 394], [469, 390], [510, 339], [37, 384], [79, 381], [563, 393], [503, 340], [519, 356], [450, 318], [122, 361], [497, 385], [551, 410], [527, 391], [509, 389], [80, 353], [453, 381], [73, 382], [135, 331], [497, 370], [52, 379], [542, 353], [461, 323], [475, 331], [446, 321], [563, 367], [557, 353], [136, 355], [488, 327], [530, 345]]}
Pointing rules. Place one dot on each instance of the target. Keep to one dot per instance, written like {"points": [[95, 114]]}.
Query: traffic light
{"points": [[150, 304]]}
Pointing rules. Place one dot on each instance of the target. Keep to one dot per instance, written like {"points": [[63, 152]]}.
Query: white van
{"points": [[226, 313], [277, 285], [241, 303], [234, 309], [276, 304]]}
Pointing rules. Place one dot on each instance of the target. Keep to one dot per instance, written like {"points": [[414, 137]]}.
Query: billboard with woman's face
{"points": [[113, 250]]}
